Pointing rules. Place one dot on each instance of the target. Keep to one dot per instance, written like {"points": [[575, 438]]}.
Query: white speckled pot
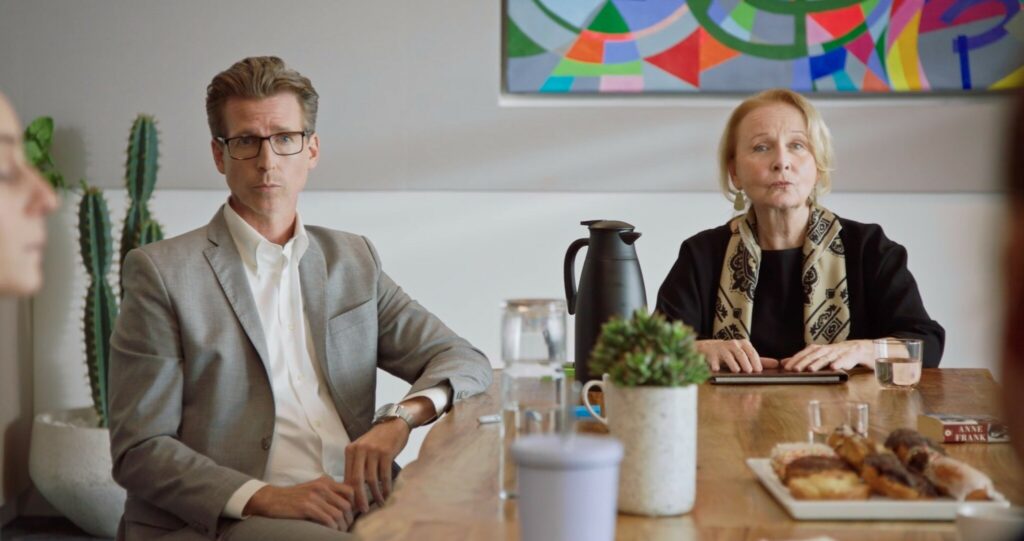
{"points": [[658, 428], [70, 464]]}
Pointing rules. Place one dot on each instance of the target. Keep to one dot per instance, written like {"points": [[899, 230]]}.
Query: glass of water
{"points": [[824, 417], [532, 394], [898, 362]]}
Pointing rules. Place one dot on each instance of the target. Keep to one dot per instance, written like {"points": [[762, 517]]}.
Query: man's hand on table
{"points": [[322, 500], [368, 460]]}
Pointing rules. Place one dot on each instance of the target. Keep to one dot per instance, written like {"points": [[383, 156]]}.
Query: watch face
{"points": [[383, 410]]}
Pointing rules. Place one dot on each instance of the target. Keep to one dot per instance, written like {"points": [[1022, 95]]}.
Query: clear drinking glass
{"points": [[824, 417], [532, 394], [898, 362]]}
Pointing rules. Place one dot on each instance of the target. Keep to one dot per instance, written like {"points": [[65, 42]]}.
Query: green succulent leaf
{"points": [[647, 350]]}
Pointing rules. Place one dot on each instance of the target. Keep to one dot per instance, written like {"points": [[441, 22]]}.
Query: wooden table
{"points": [[451, 491]]}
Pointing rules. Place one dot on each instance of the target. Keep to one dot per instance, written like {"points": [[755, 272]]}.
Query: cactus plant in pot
{"points": [[651, 373], [69, 460]]}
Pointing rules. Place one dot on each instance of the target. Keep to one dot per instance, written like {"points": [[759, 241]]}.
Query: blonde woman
{"points": [[25, 200], [788, 282]]}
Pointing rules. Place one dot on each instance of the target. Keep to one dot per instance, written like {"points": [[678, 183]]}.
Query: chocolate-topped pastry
{"points": [[888, 476], [809, 465], [824, 478], [785, 453], [911, 447]]}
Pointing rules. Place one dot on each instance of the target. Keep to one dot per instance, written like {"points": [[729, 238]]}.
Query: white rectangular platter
{"points": [[874, 508]]}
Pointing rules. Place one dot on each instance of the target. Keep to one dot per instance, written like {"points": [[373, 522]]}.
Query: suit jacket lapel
{"points": [[313, 275], [227, 265]]}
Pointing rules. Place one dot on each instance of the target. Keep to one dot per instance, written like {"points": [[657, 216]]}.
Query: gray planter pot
{"points": [[70, 464]]}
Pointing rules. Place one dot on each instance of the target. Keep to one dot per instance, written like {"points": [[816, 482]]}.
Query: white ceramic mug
{"points": [[989, 523], [604, 384]]}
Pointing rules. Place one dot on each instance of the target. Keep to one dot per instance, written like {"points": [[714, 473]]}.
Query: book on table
{"points": [[962, 428]]}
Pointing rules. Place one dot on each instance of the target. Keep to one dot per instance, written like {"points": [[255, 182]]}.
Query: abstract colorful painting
{"points": [[666, 46]]}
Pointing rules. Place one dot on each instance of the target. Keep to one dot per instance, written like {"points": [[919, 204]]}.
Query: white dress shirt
{"points": [[309, 437]]}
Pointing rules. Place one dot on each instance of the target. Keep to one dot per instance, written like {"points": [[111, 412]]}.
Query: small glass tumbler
{"points": [[824, 417], [898, 362]]}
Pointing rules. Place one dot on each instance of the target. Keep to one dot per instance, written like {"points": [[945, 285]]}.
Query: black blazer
{"points": [[884, 300]]}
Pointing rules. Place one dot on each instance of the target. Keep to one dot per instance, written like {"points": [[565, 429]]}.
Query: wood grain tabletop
{"points": [[451, 491]]}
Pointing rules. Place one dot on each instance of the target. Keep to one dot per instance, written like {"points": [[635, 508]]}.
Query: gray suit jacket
{"points": [[191, 407]]}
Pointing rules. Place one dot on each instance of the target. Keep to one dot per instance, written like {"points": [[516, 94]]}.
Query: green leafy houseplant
{"points": [[94, 235], [38, 140], [647, 350]]}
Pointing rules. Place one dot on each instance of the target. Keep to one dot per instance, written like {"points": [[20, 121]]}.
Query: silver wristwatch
{"points": [[391, 411]]}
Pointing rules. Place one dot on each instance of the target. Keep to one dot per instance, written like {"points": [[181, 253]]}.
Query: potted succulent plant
{"points": [[69, 458], [651, 372]]}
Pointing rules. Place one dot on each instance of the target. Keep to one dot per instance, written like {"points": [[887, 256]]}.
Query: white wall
{"points": [[462, 253], [409, 101]]}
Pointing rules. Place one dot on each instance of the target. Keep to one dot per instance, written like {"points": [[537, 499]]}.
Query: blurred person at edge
{"points": [[1013, 280], [25, 200]]}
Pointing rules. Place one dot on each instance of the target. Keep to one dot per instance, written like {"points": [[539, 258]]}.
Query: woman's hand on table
{"points": [[733, 355], [841, 356]]}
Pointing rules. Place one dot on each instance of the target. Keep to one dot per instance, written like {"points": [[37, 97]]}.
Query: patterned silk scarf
{"points": [[826, 297]]}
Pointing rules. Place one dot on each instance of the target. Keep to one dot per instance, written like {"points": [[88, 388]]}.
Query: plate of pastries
{"points": [[853, 477]]}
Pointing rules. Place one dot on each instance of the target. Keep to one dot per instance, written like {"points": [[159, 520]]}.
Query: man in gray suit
{"points": [[244, 360]]}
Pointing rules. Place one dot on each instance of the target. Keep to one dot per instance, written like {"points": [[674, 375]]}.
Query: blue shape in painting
{"points": [[640, 14], [717, 12], [620, 52], [557, 84], [575, 12], [828, 63], [802, 76], [843, 82]]}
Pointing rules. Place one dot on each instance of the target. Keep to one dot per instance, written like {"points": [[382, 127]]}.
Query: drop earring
{"points": [[739, 202]]}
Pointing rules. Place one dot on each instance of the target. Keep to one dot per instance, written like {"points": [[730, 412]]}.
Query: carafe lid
{"points": [[610, 225]]}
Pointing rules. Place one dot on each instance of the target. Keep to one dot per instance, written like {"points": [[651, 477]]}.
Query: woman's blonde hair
{"points": [[818, 136]]}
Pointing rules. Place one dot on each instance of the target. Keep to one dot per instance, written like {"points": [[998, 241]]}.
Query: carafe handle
{"points": [[570, 273]]}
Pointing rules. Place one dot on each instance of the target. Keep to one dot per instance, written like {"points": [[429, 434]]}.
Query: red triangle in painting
{"points": [[682, 59], [840, 21], [872, 83], [862, 47]]}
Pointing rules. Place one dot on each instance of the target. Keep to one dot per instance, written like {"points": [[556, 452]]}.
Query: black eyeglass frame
{"points": [[226, 142]]}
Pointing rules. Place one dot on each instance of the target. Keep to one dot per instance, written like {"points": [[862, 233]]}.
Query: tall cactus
{"points": [[97, 250], [140, 179]]}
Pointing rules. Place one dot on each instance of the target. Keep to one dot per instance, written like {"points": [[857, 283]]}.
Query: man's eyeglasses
{"points": [[247, 147]]}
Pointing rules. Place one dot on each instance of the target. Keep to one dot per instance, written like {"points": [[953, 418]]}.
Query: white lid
{"points": [[547, 451]]}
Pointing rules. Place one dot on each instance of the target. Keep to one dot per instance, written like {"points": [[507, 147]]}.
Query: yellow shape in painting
{"points": [[908, 49], [894, 66], [1013, 80]]}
